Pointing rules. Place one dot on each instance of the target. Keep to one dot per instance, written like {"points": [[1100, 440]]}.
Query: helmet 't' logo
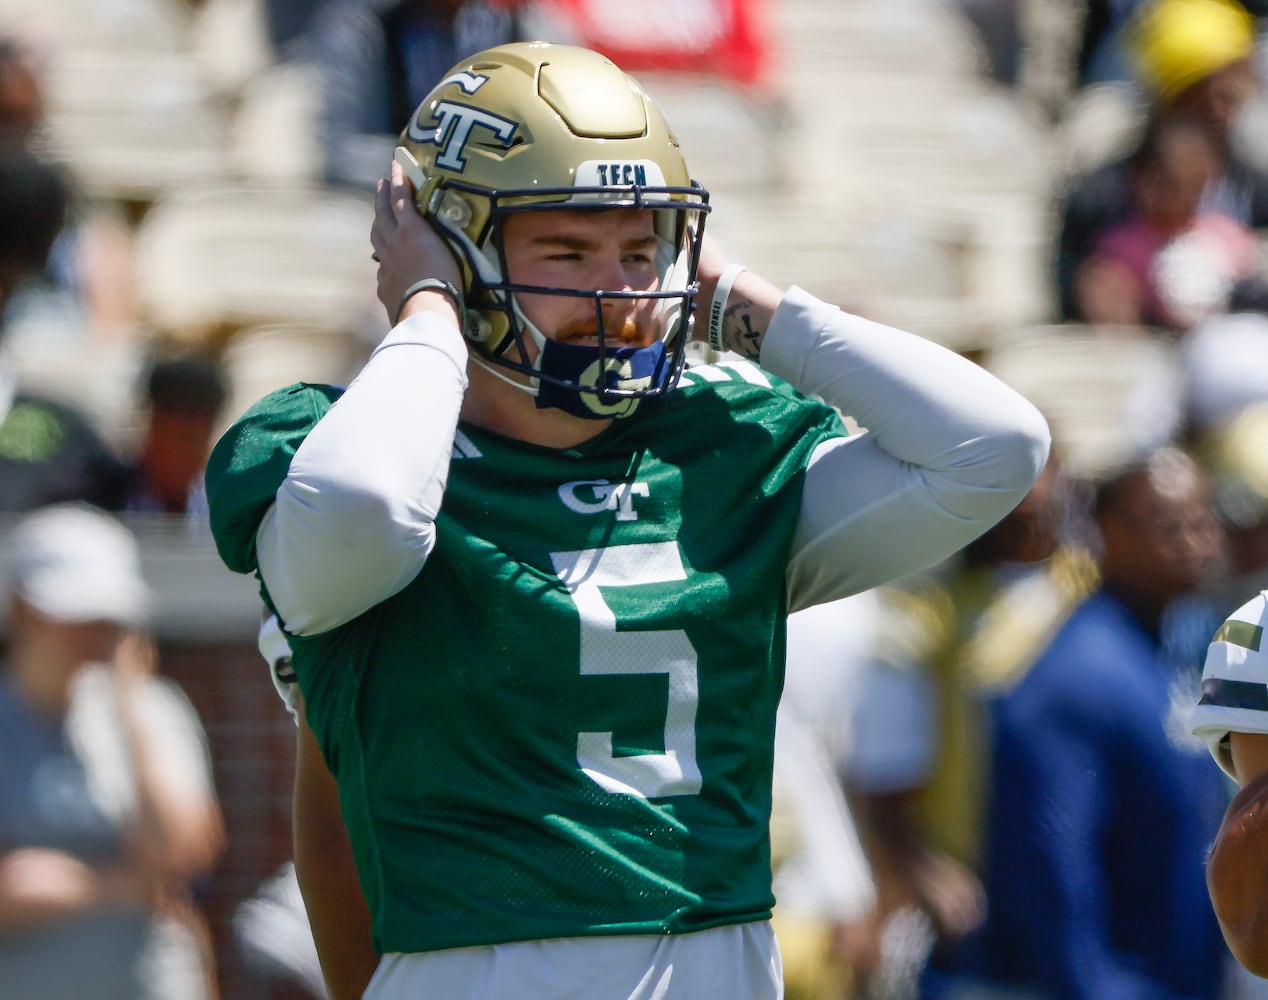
{"points": [[455, 122]]}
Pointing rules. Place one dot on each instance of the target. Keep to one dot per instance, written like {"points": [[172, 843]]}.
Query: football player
{"points": [[535, 576], [1232, 717]]}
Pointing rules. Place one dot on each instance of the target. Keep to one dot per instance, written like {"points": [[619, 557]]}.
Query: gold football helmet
{"points": [[541, 126]]}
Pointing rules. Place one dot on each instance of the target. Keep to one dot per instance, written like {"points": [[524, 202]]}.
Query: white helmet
{"points": [[1235, 681]]}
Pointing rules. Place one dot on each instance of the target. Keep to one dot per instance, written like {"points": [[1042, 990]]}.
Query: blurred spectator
{"points": [[378, 59], [183, 398], [1236, 455], [85, 278], [106, 804], [1173, 263], [48, 451], [1101, 806], [920, 765], [21, 96], [823, 917], [1193, 58], [821, 880]]}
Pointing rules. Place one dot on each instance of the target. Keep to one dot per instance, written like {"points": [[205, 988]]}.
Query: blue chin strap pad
{"points": [[644, 369]]}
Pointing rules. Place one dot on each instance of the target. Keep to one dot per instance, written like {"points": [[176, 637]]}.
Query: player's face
{"points": [[590, 251]]}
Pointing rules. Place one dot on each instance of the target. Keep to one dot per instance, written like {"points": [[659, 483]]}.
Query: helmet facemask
{"points": [[604, 378]]}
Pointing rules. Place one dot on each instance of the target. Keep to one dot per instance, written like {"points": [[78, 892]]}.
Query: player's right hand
{"points": [[408, 249]]}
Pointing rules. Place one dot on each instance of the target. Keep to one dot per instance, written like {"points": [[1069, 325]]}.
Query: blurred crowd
{"points": [[985, 782]]}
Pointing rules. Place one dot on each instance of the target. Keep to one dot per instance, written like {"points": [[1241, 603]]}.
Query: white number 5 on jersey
{"points": [[604, 650]]}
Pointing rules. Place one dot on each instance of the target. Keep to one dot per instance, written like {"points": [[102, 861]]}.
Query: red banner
{"points": [[713, 37]]}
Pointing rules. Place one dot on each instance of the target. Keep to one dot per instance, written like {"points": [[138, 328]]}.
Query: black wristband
{"points": [[437, 285]]}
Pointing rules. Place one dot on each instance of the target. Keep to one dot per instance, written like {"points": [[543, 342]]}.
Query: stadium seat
{"points": [[214, 261], [132, 125], [1108, 392]]}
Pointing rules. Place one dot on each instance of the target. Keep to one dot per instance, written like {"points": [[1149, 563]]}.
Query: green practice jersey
{"points": [[564, 725]]}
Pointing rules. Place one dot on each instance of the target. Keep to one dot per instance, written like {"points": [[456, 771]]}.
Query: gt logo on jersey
{"points": [[606, 496], [455, 122]]}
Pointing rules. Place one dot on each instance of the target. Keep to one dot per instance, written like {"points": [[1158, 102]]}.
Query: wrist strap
{"points": [[436, 285], [718, 309]]}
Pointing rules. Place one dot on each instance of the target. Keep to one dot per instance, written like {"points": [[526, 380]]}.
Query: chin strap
{"points": [[497, 372]]}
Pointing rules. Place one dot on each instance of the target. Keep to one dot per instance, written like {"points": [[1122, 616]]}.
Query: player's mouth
{"points": [[630, 334]]}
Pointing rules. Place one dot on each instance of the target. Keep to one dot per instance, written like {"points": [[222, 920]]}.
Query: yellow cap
{"points": [[1237, 458], [1177, 43]]}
